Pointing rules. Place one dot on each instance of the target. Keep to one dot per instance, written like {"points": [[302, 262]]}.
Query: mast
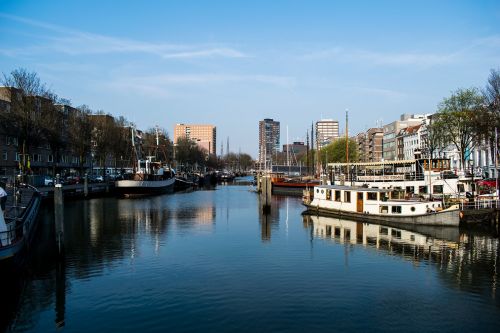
{"points": [[347, 140]]}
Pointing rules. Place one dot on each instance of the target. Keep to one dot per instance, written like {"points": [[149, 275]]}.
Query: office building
{"points": [[269, 140], [327, 130], [205, 136]]}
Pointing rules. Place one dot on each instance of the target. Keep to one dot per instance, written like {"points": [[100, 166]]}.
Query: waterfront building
{"points": [[44, 153], [391, 130], [327, 130], [296, 148], [409, 143], [370, 145], [269, 140], [205, 136]]}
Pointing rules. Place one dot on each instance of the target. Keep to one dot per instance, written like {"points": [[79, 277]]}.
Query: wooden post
{"points": [[266, 194], [86, 185], [59, 216]]}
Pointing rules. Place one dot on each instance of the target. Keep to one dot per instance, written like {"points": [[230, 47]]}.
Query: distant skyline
{"points": [[231, 63]]}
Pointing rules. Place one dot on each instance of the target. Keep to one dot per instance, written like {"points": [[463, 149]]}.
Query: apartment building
{"points": [[205, 136]]}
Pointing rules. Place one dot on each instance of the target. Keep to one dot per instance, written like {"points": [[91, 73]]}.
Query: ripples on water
{"points": [[209, 261]]}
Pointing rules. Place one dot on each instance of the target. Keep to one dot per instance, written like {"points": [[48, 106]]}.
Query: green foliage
{"points": [[460, 120], [335, 152]]}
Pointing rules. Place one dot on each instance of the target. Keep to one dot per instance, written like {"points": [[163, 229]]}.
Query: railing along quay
{"points": [[480, 212]]}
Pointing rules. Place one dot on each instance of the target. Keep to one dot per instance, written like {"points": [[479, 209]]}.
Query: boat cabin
{"points": [[370, 201]]}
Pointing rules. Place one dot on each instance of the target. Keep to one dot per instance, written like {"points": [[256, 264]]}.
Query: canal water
{"points": [[209, 261]]}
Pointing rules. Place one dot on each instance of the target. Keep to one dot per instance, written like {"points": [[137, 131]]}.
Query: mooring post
{"points": [[59, 215], [86, 185], [266, 194]]}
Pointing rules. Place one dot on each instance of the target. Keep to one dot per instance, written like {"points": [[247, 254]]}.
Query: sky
{"points": [[233, 63]]}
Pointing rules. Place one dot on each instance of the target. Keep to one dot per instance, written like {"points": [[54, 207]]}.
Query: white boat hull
{"points": [[130, 188]]}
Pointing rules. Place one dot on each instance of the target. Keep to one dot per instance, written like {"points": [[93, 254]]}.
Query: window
{"points": [[396, 233], [396, 209], [337, 231], [410, 189], [422, 189], [437, 189], [347, 196], [384, 209], [50, 158], [18, 157], [337, 196], [371, 196], [384, 231], [328, 194], [460, 187], [4, 156]]}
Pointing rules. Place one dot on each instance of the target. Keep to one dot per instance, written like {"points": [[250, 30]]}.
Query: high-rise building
{"points": [[205, 136], [327, 130], [269, 140]]}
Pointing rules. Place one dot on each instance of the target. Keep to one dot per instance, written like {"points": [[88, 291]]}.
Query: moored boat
{"points": [[19, 221], [292, 186], [377, 205], [150, 178]]}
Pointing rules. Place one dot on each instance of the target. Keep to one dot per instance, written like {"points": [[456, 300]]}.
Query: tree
{"points": [[458, 117], [491, 95], [336, 151], [80, 132], [25, 91], [53, 127]]}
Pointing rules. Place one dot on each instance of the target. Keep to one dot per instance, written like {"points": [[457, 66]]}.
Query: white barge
{"points": [[377, 205]]}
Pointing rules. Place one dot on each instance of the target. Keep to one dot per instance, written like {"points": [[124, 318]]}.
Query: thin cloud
{"points": [[161, 85], [379, 58], [75, 42]]}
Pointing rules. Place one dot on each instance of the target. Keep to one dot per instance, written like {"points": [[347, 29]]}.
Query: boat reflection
{"points": [[466, 260]]}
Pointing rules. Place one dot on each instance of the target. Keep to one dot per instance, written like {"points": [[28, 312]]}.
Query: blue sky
{"points": [[233, 63]]}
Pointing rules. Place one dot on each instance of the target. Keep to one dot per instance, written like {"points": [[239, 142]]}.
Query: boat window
{"points": [[347, 234], [410, 189], [328, 194], [347, 196], [337, 231], [328, 230], [412, 237], [396, 209], [384, 231], [412, 209], [337, 196], [396, 233], [371, 195], [460, 187], [317, 190], [322, 191], [422, 189], [437, 189], [384, 209]]}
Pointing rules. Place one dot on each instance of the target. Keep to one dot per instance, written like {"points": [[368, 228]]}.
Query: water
{"points": [[208, 261]]}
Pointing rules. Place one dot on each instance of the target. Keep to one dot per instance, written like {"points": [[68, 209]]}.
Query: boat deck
{"points": [[25, 195]]}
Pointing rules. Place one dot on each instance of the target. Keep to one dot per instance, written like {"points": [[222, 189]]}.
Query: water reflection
{"points": [[465, 259]]}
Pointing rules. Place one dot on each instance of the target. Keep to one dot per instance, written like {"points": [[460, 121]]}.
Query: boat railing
{"points": [[480, 204], [13, 235]]}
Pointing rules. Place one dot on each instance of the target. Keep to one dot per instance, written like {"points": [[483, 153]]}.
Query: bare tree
{"points": [[25, 91]]}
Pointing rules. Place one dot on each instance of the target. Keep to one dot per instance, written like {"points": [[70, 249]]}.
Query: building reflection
{"points": [[464, 259]]}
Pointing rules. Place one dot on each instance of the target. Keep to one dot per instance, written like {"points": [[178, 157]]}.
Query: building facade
{"points": [[392, 130], [205, 136], [269, 140], [327, 130], [370, 145]]}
